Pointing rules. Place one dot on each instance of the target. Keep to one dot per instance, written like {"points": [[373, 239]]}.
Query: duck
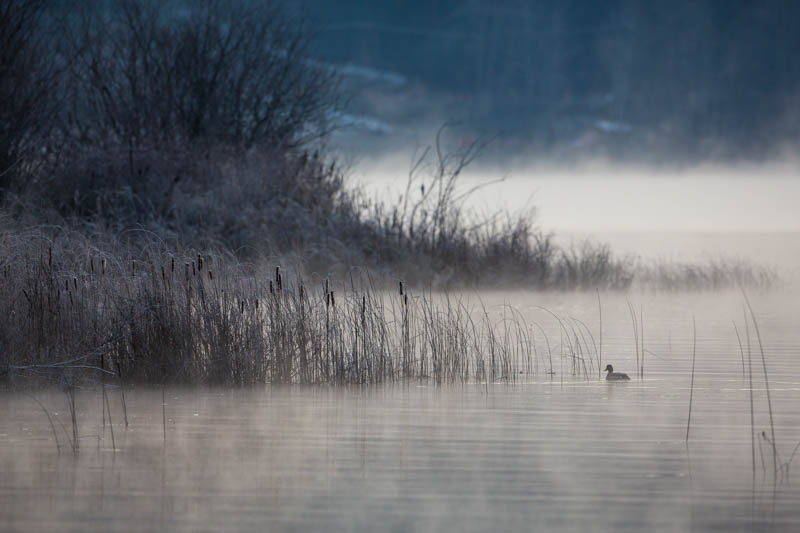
{"points": [[615, 376]]}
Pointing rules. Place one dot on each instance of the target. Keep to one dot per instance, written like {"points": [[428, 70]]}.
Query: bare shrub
{"points": [[222, 71], [432, 232], [195, 123]]}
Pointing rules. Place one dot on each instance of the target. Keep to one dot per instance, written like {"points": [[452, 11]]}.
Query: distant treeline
{"points": [[688, 75]]}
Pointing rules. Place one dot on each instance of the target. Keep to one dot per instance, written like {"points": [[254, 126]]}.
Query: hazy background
{"points": [[614, 118], [634, 80]]}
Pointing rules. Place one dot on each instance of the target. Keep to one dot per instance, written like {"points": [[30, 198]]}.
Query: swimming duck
{"points": [[615, 376]]}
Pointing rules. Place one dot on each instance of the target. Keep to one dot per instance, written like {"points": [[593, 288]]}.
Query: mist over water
{"points": [[653, 212], [557, 449], [553, 451]]}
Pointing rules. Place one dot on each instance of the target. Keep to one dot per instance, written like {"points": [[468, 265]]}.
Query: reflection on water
{"points": [[549, 452]]}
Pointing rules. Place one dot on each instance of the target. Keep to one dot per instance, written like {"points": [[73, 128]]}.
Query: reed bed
{"points": [[80, 307], [77, 312], [711, 274]]}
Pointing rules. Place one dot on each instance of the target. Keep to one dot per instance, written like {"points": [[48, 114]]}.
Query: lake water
{"points": [[551, 452]]}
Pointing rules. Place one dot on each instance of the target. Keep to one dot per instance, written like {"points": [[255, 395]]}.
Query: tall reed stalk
{"points": [[773, 442], [691, 387]]}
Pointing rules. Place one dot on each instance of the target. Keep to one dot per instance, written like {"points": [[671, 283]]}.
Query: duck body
{"points": [[615, 376]]}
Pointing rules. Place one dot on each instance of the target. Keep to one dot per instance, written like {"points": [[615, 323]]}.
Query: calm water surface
{"points": [[555, 453]]}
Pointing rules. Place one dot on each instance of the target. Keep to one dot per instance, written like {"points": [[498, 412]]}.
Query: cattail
{"points": [[241, 305], [173, 264], [363, 307], [401, 288], [302, 292], [405, 300], [210, 275], [333, 300], [199, 263], [75, 282], [271, 289], [193, 271], [327, 299], [163, 274], [256, 303], [133, 267], [91, 263], [66, 285], [50, 257]]}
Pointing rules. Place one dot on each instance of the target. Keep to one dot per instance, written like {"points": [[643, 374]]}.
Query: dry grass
{"points": [[76, 311], [207, 319], [713, 274], [77, 307]]}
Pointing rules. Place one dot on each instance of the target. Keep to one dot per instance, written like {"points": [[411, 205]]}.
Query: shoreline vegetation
{"points": [[78, 314], [157, 162]]}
